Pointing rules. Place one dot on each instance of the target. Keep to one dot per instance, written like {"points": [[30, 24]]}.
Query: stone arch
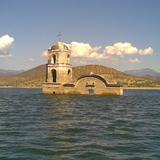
{"points": [[54, 75], [94, 76]]}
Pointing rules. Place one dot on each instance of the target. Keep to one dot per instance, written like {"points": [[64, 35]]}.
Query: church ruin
{"points": [[59, 76]]}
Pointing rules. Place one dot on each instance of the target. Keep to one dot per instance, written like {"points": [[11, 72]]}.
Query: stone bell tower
{"points": [[59, 69]]}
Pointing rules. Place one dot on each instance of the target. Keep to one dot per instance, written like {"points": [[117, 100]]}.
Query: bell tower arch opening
{"points": [[68, 58], [69, 71], [54, 75], [54, 58]]}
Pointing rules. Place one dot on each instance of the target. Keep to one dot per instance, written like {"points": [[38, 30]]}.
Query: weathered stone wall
{"points": [[59, 89], [49, 73], [63, 57], [63, 73]]}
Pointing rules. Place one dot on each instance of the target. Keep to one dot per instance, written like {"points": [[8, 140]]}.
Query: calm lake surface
{"points": [[34, 126]]}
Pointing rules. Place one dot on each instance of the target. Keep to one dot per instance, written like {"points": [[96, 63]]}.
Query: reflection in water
{"points": [[61, 112]]}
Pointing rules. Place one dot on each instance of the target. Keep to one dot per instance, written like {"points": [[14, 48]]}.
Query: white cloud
{"points": [[80, 49], [121, 49], [45, 53], [84, 50], [84, 53], [5, 44], [134, 60], [147, 51]]}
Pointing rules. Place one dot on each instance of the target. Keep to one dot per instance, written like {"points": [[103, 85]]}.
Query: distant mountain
{"points": [[36, 76], [146, 72], [4, 72]]}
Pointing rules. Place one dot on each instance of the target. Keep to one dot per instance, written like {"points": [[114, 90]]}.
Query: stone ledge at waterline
{"points": [[51, 89]]}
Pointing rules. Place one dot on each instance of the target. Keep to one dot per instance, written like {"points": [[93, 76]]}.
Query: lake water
{"points": [[34, 126]]}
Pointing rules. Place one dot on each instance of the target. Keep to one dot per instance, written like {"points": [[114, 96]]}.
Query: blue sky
{"points": [[34, 25]]}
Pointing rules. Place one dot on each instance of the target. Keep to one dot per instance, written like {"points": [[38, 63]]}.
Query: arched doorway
{"points": [[54, 75]]}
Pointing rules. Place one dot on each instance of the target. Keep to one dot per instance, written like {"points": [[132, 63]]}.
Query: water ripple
{"points": [[36, 126]]}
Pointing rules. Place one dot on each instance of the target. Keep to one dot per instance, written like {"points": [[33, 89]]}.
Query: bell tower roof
{"points": [[59, 46]]}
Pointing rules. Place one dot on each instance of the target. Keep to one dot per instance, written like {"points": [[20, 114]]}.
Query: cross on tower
{"points": [[59, 36]]}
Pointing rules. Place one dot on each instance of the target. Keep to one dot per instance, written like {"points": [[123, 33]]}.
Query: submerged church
{"points": [[59, 76]]}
